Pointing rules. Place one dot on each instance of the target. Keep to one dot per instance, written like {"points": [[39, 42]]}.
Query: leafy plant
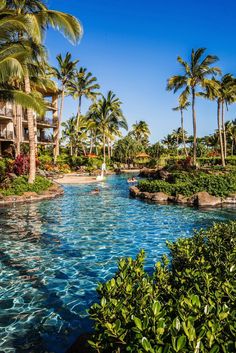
{"points": [[189, 183], [20, 185], [186, 305]]}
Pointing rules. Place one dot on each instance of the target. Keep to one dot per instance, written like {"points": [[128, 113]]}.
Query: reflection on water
{"points": [[54, 253]]}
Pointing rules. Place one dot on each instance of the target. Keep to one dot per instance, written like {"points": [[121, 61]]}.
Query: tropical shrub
{"points": [[20, 185], [187, 305], [190, 183], [3, 169]]}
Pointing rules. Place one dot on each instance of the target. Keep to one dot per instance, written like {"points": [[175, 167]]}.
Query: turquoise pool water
{"points": [[54, 253]]}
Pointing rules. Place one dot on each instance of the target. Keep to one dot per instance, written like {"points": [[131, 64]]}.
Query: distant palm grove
{"points": [[87, 140]]}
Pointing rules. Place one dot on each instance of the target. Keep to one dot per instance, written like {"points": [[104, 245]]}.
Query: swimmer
{"points": [[95, 191]]}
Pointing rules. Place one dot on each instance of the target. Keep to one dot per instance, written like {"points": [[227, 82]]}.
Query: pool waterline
{"points": [[54, 253]]}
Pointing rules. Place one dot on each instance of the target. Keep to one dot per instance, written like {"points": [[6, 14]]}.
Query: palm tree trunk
{"points": [[104, 148], [91, 146], [31, 130], [78, 112], [220, 134], [224, 131], [183, 135], [194, 128], [57, 135]]}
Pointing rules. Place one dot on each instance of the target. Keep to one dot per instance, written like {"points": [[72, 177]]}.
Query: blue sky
{"points": [[131, 46]]}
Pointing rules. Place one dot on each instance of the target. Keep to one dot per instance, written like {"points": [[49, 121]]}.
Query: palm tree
{"points": [[69, 133], [64, 73], [183, 105], [230, 128], [11, 53], [141, 131], [83, 84], [227, 93], [195, 75], [42, 17], [107, 113]]}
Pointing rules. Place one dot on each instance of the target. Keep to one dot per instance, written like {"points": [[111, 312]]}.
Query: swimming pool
{"points": [[55, 252]]}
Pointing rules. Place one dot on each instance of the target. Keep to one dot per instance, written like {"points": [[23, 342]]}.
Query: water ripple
{"points": [[54, 253]]}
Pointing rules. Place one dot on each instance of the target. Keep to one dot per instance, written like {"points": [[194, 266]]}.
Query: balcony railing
{"points": [[6, 135], [46, 121], [44, 139], [7, 112]]}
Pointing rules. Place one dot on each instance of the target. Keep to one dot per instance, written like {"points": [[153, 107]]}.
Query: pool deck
{"points": [[76, 179], [84, 179]]}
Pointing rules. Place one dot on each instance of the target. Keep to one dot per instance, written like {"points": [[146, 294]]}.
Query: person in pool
{"points": [[132, 180], [95, 191]]}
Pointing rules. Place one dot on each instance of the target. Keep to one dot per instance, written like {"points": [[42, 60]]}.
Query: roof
{"points": [[142, 155]]}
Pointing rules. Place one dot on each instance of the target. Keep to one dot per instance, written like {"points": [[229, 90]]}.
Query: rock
{"points": [[159, 197], [204, 199], [230, 199], [12, 176], [134, 191], [164, 174], [29, 194], [145, 195], [181, 199], [41, 173]]}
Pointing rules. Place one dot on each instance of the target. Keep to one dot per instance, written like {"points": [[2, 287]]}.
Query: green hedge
{"points": [[190, 183], [20, 185], [187, 305]]}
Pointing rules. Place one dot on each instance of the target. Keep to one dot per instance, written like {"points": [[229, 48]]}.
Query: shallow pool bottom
{"points": [[55, 252]]}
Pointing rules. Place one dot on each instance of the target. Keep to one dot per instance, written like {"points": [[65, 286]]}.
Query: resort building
{"points": [[14, 125]]}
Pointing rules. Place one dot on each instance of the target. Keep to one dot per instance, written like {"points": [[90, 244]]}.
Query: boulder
{"points": [[29, 194], [12, 176], [230, 199], [181, 199], [134, 191], [41, 173], [145, 195], [204, 199], [160, 197]]}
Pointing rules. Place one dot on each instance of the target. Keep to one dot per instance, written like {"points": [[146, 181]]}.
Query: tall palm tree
{"points": [[107, 113], [195, 74], [227, 93], [141, 131], [12, 54], [69, 133], [83, 84], [213, 92], [64, 73], [42, 17], [230, 128], [183, 105]]}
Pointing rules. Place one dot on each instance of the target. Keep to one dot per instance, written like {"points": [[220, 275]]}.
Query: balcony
{"points": [[40, 139], [47, 122], [6, 113], [6, 135]]}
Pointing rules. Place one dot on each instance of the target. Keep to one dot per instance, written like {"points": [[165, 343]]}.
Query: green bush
{"points": [[20, 185], [187, 305], [45, 159], [3, 169], [188, 184]]}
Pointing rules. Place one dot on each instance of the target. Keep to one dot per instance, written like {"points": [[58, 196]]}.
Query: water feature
{"points": [[55, 252]]}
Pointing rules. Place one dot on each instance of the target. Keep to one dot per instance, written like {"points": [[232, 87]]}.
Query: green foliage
{"points": [[3, 169], [186, 306], [20, 185], [190, 183], [45, 159]]}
